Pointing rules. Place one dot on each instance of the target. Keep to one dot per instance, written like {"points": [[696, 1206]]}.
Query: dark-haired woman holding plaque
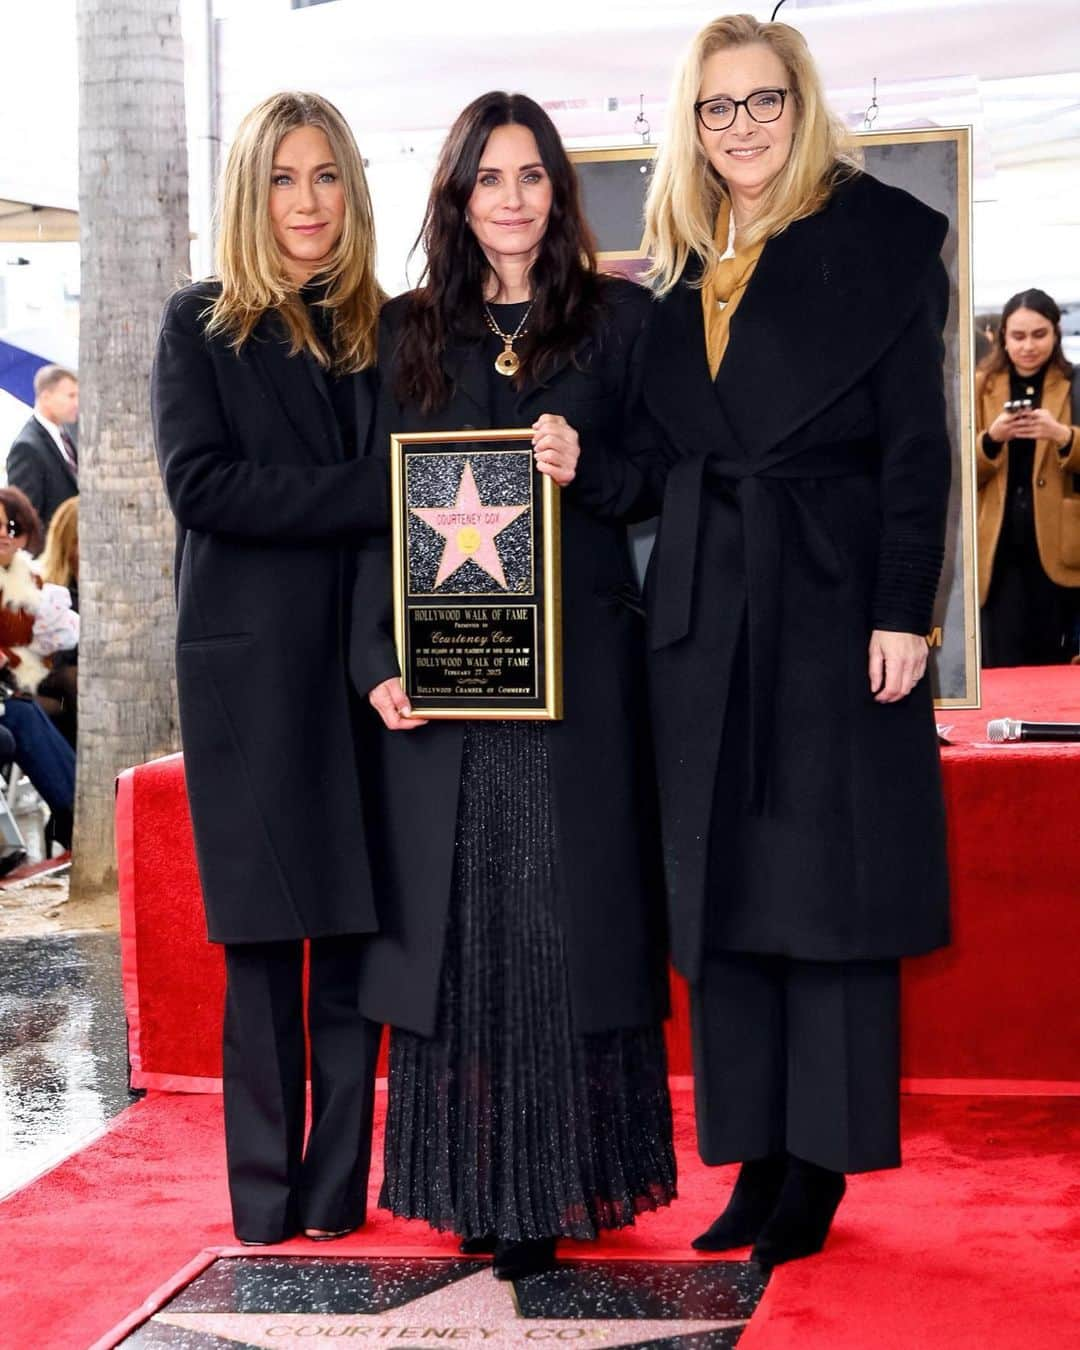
{"points": [[521, 959]]}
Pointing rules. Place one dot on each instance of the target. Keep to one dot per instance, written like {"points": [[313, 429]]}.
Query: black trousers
{"points": [[1028, 620], [278, 1186], [797, 1056]]}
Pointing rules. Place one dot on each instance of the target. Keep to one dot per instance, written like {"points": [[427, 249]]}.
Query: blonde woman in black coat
{"points": [[263, 395], [795, 373]]}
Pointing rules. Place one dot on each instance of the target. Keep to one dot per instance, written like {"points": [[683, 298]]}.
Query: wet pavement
{"points": [[63, 1048]]}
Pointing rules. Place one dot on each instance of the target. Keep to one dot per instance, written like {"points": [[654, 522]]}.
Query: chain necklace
{"points": [[507, 362]]}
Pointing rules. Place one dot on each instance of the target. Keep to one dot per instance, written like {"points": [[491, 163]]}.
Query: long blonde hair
{"points": [[686, 190], [249, 263], [59, 561]]}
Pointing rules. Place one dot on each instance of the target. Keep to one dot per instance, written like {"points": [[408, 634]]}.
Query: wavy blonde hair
{"points": [[249, 263], [686, 191], [59, 561]]}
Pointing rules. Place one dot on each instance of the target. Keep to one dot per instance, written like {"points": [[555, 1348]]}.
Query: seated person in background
{"points": [[59, 561], [43, 461], [11, 852], [59, 566], [36, 621]]}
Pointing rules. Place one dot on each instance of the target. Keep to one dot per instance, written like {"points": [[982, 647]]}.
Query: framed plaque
{"points": [[477, 578]]}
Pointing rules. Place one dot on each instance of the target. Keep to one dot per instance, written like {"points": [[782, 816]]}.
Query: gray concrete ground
{"points": [[41, 905]]}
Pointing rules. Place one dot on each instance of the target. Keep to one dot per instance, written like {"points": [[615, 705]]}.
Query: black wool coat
{"points": [[270, 504], [36, 466], [603, 797], [804, 506]]}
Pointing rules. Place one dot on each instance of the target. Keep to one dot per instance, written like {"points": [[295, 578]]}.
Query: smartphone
{"points": [[1016, 405]]}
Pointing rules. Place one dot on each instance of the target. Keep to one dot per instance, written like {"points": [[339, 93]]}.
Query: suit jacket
{"points": [[804, 506], [608, 883], [1054, 479], [270, 505], [36, 466]]}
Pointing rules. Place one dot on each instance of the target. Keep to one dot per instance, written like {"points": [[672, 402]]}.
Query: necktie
{"points": [[69, 447]]}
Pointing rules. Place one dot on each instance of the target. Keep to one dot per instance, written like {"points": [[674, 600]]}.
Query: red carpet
{"points": [[973, 1245]]}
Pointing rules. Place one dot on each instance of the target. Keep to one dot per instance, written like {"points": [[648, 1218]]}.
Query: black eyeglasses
{"points": [[717, 114]]}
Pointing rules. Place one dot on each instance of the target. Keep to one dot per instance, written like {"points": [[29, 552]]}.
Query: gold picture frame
{"points": [[934, 164]]}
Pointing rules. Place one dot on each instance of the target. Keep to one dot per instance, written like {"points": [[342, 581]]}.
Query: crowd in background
{"points": [[39, 605]]}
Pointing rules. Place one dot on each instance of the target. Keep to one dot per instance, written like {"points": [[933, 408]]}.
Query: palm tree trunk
{"points": [[133, 214]]}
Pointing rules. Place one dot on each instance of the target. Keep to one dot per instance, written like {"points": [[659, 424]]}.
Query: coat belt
{"points": [[769, 514]]}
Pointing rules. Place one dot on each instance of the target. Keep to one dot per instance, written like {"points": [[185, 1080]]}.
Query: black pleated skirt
{"points": [[507, 1122]]}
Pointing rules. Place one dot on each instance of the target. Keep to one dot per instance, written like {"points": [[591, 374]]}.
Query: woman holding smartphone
{"points": [[1028, 460]]}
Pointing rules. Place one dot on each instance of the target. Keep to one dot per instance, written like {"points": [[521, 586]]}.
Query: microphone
{"points": [[1007, 729]]}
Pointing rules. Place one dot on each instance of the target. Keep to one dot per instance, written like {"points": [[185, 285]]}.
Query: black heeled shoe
{"points": [[477, 1246], [800, 1223], [753, 1199], [515, 1260]]}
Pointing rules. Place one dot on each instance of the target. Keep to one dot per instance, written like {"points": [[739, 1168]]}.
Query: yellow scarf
{"points": [[724, 288]]}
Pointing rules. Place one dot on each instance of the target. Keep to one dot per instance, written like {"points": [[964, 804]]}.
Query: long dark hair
{"points": [[21, 514], [449, 303], [1041, 303]]}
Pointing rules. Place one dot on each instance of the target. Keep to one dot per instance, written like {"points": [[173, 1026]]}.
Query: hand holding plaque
{"points": [[476, 575]]}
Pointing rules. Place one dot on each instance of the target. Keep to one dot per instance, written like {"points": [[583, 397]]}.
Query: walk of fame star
{"points": [[469, 529], [471, 1312]]}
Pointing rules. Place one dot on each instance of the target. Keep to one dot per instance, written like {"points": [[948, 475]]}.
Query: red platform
{"points": [[997, 1011]]}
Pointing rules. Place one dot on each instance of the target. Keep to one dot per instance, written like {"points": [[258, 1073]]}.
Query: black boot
{"points": [[513, 1260], [804, 1212], [752, 1200], [477, 1246]]}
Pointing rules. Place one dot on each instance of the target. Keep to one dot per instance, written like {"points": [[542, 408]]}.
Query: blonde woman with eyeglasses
{"points": [[795, 373], [263, 392]]}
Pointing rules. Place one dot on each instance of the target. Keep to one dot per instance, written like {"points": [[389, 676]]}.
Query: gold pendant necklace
{"points": [[507, 362]]}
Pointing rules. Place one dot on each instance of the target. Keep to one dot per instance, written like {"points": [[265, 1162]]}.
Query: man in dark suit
{"points": [[43, 461]]}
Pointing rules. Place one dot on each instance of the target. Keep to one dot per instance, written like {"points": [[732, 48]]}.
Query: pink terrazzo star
{"points": [[475, 1313], [469, 528]]}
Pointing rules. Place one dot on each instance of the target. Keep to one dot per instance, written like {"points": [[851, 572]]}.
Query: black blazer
{"points": [[270, 505], [804, 506], [605, 818], [36, 466]]}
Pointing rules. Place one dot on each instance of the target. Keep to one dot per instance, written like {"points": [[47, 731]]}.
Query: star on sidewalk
{"points": [[469, 529], [471, 1312]]}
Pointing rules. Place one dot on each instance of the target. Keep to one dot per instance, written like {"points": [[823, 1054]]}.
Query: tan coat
{"points": [[1054, 489]]}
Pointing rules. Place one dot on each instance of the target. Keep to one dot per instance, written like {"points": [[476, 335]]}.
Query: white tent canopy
{"points": [[23, 222], [400, 72]]}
